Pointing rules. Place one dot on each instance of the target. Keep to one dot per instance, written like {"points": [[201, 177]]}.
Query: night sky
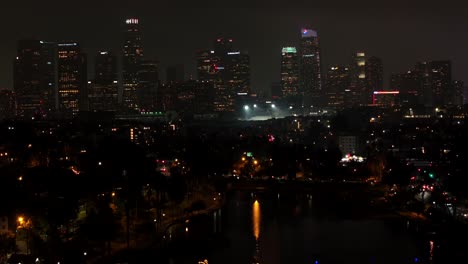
{"points": [[398, 33]]}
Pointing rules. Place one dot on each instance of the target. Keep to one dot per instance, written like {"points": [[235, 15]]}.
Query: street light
{"points": [[255, 105], [246, 107], [273, 106]]}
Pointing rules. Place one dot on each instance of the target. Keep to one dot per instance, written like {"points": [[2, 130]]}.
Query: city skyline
{"points": [[383, 32]]}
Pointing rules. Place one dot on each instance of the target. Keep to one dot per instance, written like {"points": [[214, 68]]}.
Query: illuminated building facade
{"points": [[310, 67], [103, 91], [72, 81], [35, 78], [132, 57], [290, 74], [359, 92]]}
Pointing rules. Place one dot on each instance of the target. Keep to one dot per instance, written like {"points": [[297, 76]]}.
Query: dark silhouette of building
{"points": [[35, 78], [72, 81], [337, 86], [374, 77], [103, 91], [148, 81], [455, 96], [229, 73], [409, 84], [429, 84], [7, 104], [310, 67], [175, 73]]}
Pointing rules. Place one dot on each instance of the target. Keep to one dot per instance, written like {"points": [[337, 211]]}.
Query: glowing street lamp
{"points": [[246, 107], [273, 106]]}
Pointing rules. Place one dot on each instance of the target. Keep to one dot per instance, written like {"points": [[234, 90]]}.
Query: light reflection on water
{"points": [[256, 219], [299, 228]]}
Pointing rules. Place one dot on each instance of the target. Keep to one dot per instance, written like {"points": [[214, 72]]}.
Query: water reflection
{"points": [[256, 220], [431, 251]]}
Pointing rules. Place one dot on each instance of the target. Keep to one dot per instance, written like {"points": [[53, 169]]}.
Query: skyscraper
{"points": [[103, 91], [374, 77], [410, 87], [132, 57], [228, 71], [441, 82], [456, 96], [148, 80], [436, 82], [359, 93], [310, 67], [337, 86], [237, 71], [72, 81], [35, 78], [290, 75]]}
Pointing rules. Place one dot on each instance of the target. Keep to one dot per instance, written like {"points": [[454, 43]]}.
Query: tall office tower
{"points": [[225, 95], [72, 81], [7, 104], [374, 77], [337, 87], [132, 57], [436, 82], [103, 91], [148, 81], [310, 67], [210, 70], [175, 73], [359, 93], [208, 65], [237, 71], [186, 97], [228, 71], [410, 87], [423, 70], [441, 81], [35, 78], [49, 61], [290, 75], [456, 97]]}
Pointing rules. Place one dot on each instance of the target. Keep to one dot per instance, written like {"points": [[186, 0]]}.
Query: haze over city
{"points": [[253, 132], [400, 33]]}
